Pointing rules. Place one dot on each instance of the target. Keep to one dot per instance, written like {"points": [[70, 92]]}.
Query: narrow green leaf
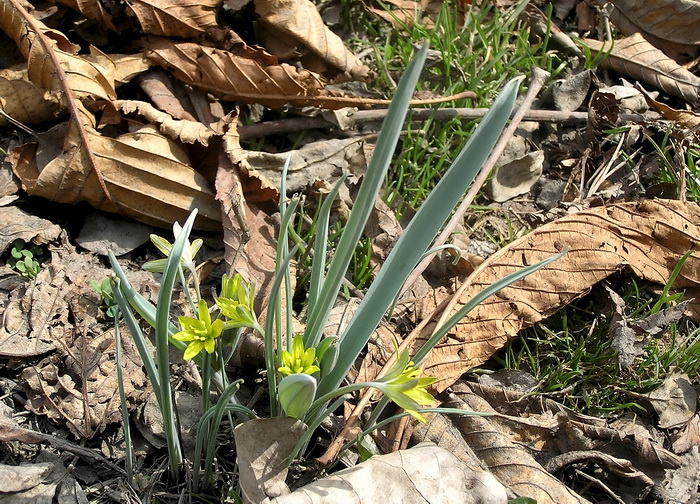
{"points": [[369, 190], [128, 446], [476, 300], [419, 235], [173, 266], [318, 264], [138, 337]]}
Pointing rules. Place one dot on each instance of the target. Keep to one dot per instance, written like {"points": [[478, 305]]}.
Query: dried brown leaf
{"points": [[630, 338], [675, 401], [672, 20], [423, 474], [165, 95], [649, 237], [301, 20], [683, 118], [246, 75], [548, 429], [91, 10], [635, 57], [186, 131], [320, 160], [686, 438], [24, 101], [507, 459], [128, 66], [249, 235], [149, 176], [263, 446], [175, 18], [77, 385], [17, 224], [46, 49]]}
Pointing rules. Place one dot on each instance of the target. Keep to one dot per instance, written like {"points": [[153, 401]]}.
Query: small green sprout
{"points": [[25, 258], [108, 303], [200, 332]]}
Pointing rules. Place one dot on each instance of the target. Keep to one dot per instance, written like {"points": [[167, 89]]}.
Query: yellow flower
{"points": [[237, 302], [200, 332], [299, 360], [404, 386]]}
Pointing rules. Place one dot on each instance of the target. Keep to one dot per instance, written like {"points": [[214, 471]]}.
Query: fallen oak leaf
{"points": [[254, 76], [175, 18], [55, 69], [636, 57], [301, 20], [650, 237]]}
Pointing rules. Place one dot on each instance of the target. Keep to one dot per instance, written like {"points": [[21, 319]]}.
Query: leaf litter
{"points": [[153, 162]]}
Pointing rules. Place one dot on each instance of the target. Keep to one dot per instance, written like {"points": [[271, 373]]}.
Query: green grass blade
{"points": [[143, 307], [138, 337], [282, 252], [128, 446], [419, 234], [318, 264], [218, 413], [671, 280], [369, 190]]}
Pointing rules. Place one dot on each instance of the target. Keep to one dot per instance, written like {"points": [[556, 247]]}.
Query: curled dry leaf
{"points": [[24, 101], [671, 20], [175, 18], [249, 236], [186, 131], [301, 20], [636, 57], [684, 118], [45, 49], [149, 176], [550, 430], [508, 460], [650, 237]]}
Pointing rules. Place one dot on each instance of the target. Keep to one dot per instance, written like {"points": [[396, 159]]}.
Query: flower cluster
{"points": [[237, 302], [404, 386], [200, 332], [299, 360]]}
